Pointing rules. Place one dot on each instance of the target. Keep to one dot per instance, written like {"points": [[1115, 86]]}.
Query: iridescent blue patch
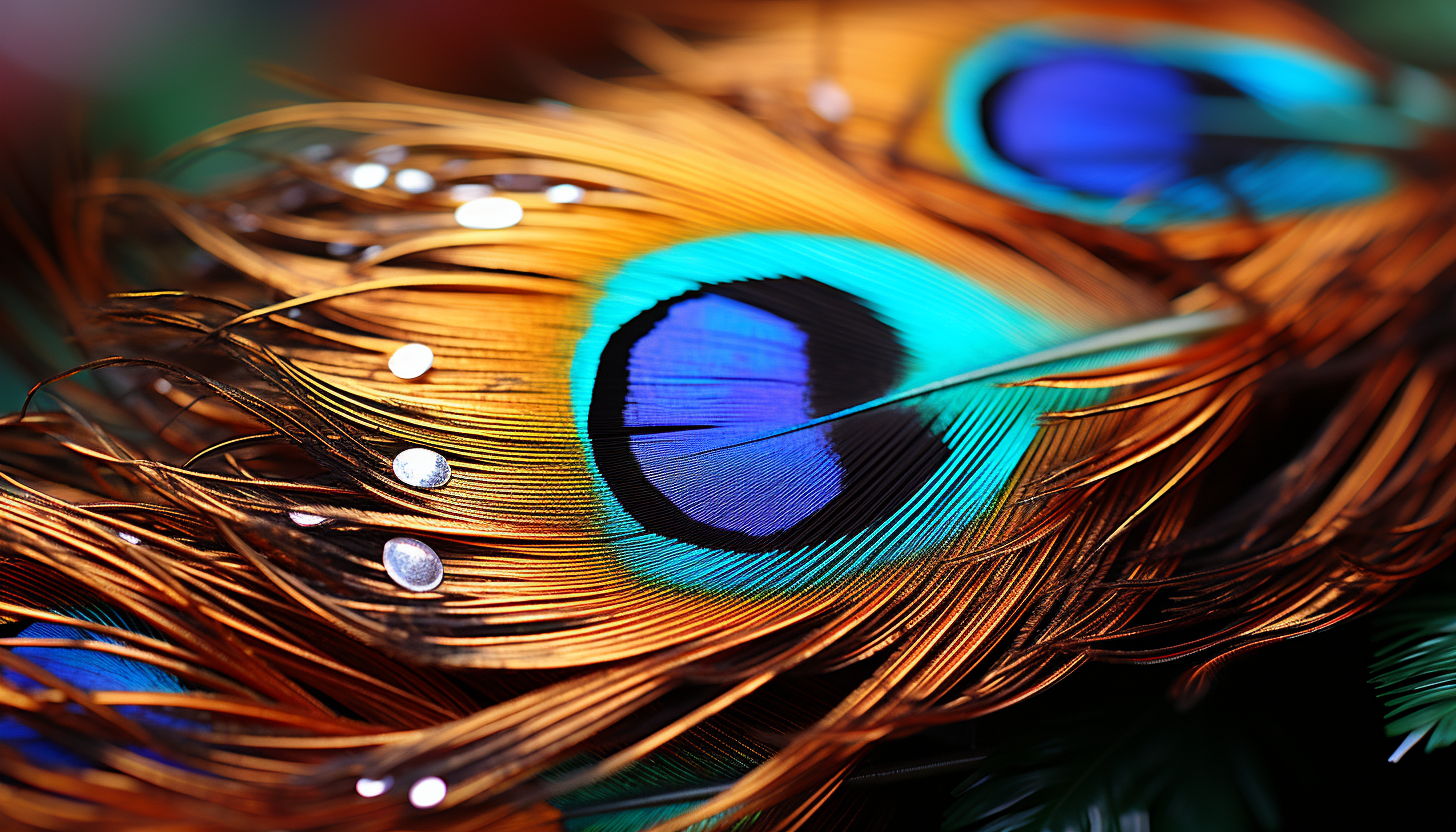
{"points": [[86, 669], [1103, 124], [724, 371], [698, 416]]}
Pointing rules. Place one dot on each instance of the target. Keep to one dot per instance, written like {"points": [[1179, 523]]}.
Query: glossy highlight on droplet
{"points": [[413, 564], [303, 518], [367, 787], [427, 792], [411, 361], [490, 212], [422, 468]]}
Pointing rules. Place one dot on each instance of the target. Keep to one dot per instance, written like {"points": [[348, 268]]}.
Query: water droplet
{"points": [[470, 191], [414, 181], [413, 564], [390, 154], [490, 212], [422, 468], [295, 313], [340, 249], [565, 192], [366, 176], [129, 538], [373, 788], [162, 386], [411, 360], [303, 518], [830, 101], [371, 252], [427, 792]]}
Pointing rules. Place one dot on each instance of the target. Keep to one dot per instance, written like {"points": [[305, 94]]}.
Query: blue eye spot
{"points": [[690, 395], [1105, 125], [733, 371]]}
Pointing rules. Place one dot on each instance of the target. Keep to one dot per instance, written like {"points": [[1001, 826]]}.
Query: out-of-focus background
{"points": [[154, 71], [130, 77]]}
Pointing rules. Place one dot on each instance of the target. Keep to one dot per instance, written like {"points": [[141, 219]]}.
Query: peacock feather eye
{"points": [[713, 392], [1168, 124]]}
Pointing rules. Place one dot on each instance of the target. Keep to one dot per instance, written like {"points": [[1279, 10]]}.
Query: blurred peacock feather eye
{"points": [[1206, 126], [1165, 124]]}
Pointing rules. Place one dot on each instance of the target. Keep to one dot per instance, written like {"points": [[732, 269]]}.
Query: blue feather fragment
{"points": [[722, 363], [90, 670]]}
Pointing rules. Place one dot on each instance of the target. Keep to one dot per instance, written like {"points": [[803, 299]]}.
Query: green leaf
{"points": [[1123, 773], [1415, 671]]}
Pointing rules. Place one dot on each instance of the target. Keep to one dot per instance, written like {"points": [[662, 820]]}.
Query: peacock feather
{"points": [[1200, 127], [642, 462]]}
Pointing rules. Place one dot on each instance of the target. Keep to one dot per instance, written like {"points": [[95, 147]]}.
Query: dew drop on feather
{"points": [[489, 213], [367, 787], [366, 176], [470, 191], [411, 361], [830, 101], [565, 193], [422, 468], [413, 564], [414, 181], [427, 792]]}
